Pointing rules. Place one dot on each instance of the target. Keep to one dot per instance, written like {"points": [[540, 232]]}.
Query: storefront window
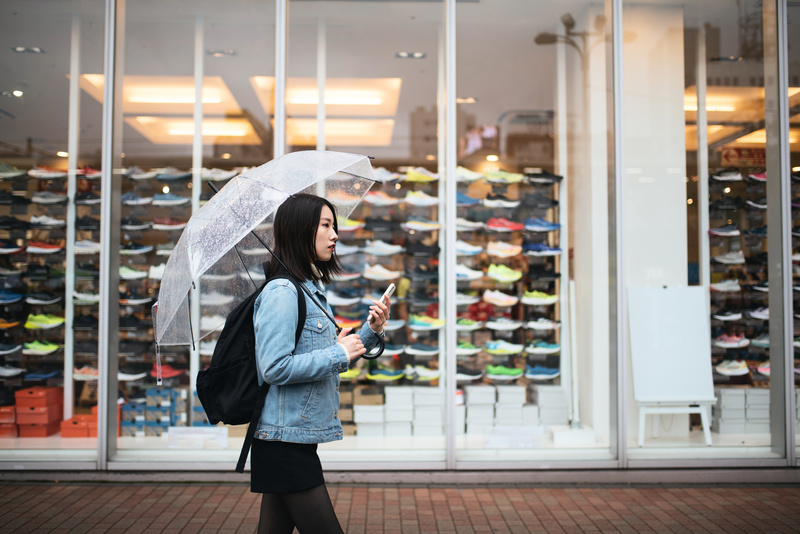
{"points": [[533, 316], [50, 148], [696, 255]]}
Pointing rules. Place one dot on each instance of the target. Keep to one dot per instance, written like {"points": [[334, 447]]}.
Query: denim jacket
{"points": [[302, 405]]}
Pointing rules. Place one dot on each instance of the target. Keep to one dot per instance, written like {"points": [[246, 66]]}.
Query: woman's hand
{"points": [[351, 343], [379, 312]]}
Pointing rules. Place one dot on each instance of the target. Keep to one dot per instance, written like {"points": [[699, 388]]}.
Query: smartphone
{"points": [[386, 294]]}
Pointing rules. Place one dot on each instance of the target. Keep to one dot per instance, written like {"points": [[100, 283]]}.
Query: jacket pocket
{"points": [[311, 402], [316, 331]]}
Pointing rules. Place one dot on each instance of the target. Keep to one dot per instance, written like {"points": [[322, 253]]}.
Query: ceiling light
{"points": [[795, 169], [335, 98], [410, 55], [27, 49], [221, 53], [62, 154], [180, 130], [466, 100], [492, 157], [17, 93], [226, 155]]}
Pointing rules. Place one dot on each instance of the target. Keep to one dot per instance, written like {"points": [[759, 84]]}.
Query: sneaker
{"points": [[46, 173], [131, 322], [730, 174], [539, 372], [393, 350], [731, 258], [727, 341], [170, 174], [501, 249], [84, 322], [379, 272], [85, 373], [167, 371], [465, 175], [541, 176], [393, 324], [467, 325], [379, 198], [539, 201], [87, 223], [132, 297], [127, 273], [760, 231], [216, 175], [41, 298], [132, 199], [540, 225], [43, 221], [169, 199], [137, 173], [123, 376], [501, 224], [540, 249], [502, 347], [48, 197], [8, 371], [758, 177], [465, 273], [542, 323], [503, 177], [9, 348], [467, 249], [132, 223], [12, 223], [726, 314], [502, 273], [40, 247], [168, 223], [350, 374], [760, 204], [463, 201], [499, 201], [86, 246], [420, 349], [131, 248], [384, 175], [9, 172], [421, 373], [501, 372], [87, 198], [498, 298], [542, 347], [8, 247], [423, 322], [726, 286], [10, 297], [465, 348], [348, 225], [84, 298], [503, 324], [379, 248], [6, 324], [464, 373], [43, 321], [215, 299], [345, 250], [729, 230], [417, 248], [383, 373], [420, 175], [464, 225], [420, 224], [335, 299], [763, 368], [761, 341], [732, 368], [760, 313], [420, 199], [728, 203], [538, 298], [165, 249]]}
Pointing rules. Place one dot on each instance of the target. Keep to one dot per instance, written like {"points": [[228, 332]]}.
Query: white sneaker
{"points": [[156, 272], [381, 248], [732, 368], [216, 175], [207, 348], [379, 272], [338, 300], [462, 299], [345, 250], [504, 324], [211, 323], [732, 258], [465, 175], [463, 224], [44, 220], [542, 323], [465, 273], [467, 249], [760, 313], [87, 247], [498, 298], [420, 199], [502, 249], [726, 285]]}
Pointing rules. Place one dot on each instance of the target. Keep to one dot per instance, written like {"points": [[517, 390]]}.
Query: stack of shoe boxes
{"points": [[480, 408], [179, 403], [368, 411], [508, 409], [132, 420], [398, 411], [8, 422], [199, 417], [157, 411], [552, 403], [741, 411], [428, 411], [346, 409], [39, 411]]}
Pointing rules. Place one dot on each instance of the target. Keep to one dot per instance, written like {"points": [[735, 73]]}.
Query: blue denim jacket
{"points": [[302, 405]]}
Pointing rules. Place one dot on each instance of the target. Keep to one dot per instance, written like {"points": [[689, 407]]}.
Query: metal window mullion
{"points": [[197, 171], [279, 106]]}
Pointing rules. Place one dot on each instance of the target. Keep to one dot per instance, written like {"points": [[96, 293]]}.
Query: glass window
{"points": [[380, 66], [695, 231], [533, 311], [50, 153]]}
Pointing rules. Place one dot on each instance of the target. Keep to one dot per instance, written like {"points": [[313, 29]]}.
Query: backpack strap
{"points": [[262, 397]]}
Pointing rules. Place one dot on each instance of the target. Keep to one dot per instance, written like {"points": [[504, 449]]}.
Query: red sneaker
{"points": [[167, 371], [501, 224]]}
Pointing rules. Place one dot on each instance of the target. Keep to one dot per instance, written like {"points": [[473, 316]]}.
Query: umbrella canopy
{"points": [[217, 251]]}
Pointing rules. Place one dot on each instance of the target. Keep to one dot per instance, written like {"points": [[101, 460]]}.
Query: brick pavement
{"points": [[210, 507]]}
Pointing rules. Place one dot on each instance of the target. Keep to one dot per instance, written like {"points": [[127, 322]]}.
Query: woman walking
{"points": [[301, 409]]}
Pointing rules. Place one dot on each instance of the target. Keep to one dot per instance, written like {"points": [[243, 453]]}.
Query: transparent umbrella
{"points": [[222, 248]]}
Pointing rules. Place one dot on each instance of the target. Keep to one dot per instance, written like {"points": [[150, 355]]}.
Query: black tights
{"points": [[311, 511]]}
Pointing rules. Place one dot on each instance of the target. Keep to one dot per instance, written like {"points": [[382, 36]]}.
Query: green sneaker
{"points": [[503, 177], [502, 273], [538, 298], [501, 372], [127, 273], [39, 348], [350, 374], [43, 321], [465, 348], [468, 324]]}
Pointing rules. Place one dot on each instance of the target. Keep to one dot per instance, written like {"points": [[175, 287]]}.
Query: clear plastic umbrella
{"points": [[223, 244]]}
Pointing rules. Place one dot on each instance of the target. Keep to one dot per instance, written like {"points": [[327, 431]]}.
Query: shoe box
{"points": [[38, 411], [85, 425], [740, 410]]}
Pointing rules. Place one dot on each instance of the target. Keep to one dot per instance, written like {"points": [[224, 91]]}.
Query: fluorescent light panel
{"points": [[180, 130]]}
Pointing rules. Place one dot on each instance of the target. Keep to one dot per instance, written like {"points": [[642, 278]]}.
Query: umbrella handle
{"points": [[374, 355]]}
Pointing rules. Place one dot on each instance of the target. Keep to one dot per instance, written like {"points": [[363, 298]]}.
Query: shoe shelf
{"points": [[738, 291]]}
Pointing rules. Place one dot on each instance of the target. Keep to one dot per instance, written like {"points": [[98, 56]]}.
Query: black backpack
{"points": [[228, 389]]}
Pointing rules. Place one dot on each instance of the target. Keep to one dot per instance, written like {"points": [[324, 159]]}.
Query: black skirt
{"points": [[281, 467]]}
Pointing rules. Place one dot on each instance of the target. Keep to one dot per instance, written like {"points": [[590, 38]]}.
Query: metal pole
{"points": [[281, 35]]}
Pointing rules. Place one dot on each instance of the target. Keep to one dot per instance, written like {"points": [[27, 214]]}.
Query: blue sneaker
{"points": [[540, 249], [540, 225], [9, 297], [169, 199], [466, 200], [538, 372], [542, 347]]}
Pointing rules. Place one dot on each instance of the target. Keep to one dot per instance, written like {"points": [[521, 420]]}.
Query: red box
{"points": [[39, 396], [78, 426], [39, 415], [39, 431], [8, 430], [7, 414], [93, 424]]}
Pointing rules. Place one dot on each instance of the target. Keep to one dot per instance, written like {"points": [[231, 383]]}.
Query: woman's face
{"points": [[326, 236]]}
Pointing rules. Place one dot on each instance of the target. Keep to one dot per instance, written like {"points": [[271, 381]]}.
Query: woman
{"points": [[302, 405]]}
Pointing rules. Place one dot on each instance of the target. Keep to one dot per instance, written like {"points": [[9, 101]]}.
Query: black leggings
{"points": [[311, 511]]}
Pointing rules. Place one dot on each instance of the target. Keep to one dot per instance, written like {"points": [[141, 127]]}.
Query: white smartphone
{"points": [[386, 294]]}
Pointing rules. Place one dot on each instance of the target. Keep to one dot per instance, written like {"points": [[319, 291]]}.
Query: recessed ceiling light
{"points": [[221, 53], [410, 55], [492, 157], [226, 155], [62, 154], [466, 100], [17, 93], [27, 49]]}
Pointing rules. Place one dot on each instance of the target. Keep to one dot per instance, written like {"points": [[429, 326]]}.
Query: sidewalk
{"points": [[195, 507]]}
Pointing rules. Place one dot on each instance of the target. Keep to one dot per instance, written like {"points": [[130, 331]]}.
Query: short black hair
{"points": [[295, 230]]}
